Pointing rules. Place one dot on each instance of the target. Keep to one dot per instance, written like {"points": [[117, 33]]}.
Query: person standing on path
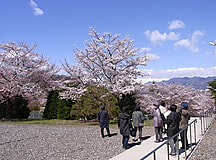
{"points": [[185, 117], [103, 118], [163, 107], [138, 119], [124, 123], [163, 110], [165, 116], [158, 123], [172, 122]]}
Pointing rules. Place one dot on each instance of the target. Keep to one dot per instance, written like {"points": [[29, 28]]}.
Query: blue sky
{"points": [[175, 33]]}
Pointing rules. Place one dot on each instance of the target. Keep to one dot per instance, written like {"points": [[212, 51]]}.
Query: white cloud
{"points": [[176, 24], [157, 38], [150, 56], [159, 75], [36, 9], [190, 44], [144, 50], [186, 43]]}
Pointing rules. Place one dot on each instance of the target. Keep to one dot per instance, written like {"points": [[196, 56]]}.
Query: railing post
{"points": [[190, 138], [185, 142], [168, 150], [195, 131], [201, 125], [206, 120], [178, 147], [154, 156]]}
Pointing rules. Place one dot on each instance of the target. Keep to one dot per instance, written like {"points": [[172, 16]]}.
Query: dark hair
{"points": [[102, 107], [137, 108], [163, 103], [173, 107], [125, 109]]}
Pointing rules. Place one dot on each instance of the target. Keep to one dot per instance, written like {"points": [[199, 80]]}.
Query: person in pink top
{"points": [[158, 123]]}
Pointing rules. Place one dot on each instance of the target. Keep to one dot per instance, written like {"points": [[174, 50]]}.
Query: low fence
{"points": [[36, 114], [206, 120]]}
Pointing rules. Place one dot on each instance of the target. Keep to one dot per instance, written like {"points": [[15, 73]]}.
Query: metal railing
{"points": [[167, 142], [207, 118]]}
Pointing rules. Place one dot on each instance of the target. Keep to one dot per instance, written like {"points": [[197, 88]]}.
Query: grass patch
{"points": [[113, 123], [148, 122], [44, 121]]}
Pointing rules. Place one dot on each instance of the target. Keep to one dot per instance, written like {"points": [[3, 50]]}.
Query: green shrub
{"points": [[88, 105], [64, 109]]}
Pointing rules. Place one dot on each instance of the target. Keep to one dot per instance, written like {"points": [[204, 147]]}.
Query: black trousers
{"points": [[184, 139], [102, 132]]}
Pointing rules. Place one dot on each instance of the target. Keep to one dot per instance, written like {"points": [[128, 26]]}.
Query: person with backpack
{"points": [[138, 119]]}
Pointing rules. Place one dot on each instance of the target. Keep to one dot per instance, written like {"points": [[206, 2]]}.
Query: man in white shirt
{"points": [[163, 110]]}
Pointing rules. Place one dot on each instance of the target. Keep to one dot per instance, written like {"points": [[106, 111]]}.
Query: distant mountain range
{"points": [[197, 82]]}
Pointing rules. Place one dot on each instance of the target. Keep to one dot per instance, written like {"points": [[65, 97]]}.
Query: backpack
{"points": [[133, 132], [162, 116]]}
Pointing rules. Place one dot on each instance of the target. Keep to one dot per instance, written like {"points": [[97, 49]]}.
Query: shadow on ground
{"points": [[111, 135], [190, 147], [137, 143]]}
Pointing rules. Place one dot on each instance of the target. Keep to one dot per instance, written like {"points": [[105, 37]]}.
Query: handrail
{"points": [[205, 120], [167, 142]]}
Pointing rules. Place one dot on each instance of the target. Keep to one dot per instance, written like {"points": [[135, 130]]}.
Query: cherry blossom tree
{"points": [[24, 72], [106, 61], [199, 101], [114, 63]]}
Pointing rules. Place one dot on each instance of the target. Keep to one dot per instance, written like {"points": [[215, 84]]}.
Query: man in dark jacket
{"points": [[172, 122], [103, 118], [124, 124]]}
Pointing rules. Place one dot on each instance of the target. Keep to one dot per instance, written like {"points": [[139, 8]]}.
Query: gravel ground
{"points": [[58, 142], [206, 148]]}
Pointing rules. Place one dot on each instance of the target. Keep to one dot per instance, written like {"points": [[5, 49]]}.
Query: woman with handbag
{"points": [[172, 122], [138, 120]]}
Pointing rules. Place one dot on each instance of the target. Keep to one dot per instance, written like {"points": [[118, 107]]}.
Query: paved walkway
{"points": [[139, 151]]}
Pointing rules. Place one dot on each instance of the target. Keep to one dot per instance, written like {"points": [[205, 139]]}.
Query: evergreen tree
{"points": [[127, 100], [14, 108], [212, 87], [19, 107], [51, 107]]}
